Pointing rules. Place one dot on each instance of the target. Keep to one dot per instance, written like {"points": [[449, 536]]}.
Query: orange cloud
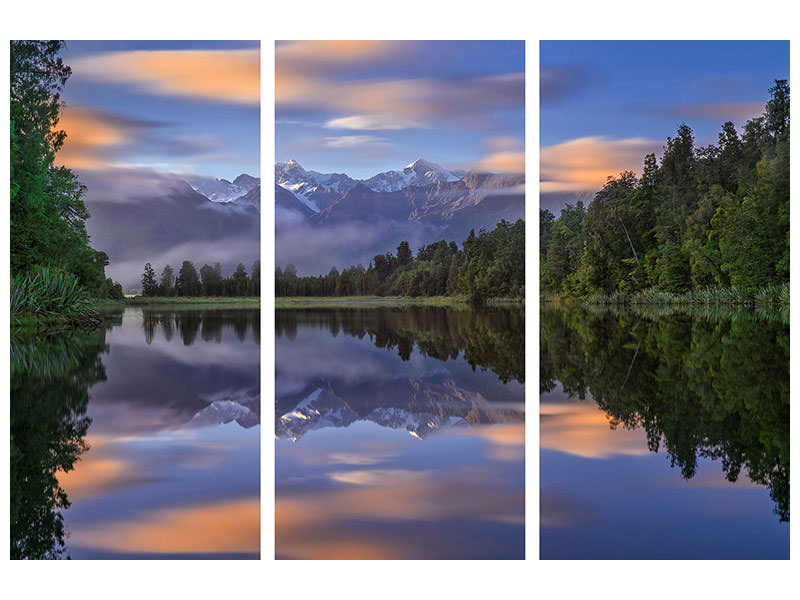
{"points": [[88, 136], [584, 164], [223, 527], [583, 429], [513, 162], [314, 54], [363, 104], [219, 75]]}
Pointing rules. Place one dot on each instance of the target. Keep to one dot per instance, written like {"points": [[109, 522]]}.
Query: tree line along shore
{"points": [[489, 265]]}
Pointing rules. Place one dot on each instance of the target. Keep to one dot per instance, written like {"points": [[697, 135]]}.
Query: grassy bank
{"points": [[770, 296], [48, 298], [389, 301], [249, 302]]}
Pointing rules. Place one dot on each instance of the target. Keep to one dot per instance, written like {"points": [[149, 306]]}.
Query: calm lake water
{"points": [[664, 436], [159, 412], [400, 433]]}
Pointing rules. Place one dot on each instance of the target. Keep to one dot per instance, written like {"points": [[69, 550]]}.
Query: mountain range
{"points": [[422, 203], [322, 219], [163, 219], [421, 408]]}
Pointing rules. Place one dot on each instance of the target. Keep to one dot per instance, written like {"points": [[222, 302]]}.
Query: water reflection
{"points": [[711, 391], [172, 463], [400, 433], [50, 378]]}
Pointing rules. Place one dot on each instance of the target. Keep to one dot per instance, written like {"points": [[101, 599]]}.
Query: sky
{"points": [[604, 105], [364, 107], [175, 107]]}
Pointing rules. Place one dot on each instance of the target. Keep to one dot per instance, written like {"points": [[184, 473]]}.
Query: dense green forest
{"points": [[48, 238], [704, 218], [490, 265], [208, 282]]}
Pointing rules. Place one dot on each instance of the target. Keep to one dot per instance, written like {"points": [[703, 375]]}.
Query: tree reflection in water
{"points": [[50, 379], [491, 338], [699, 384]]}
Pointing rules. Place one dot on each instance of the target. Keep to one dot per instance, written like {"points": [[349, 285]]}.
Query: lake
{"points": [[664, 433], [158, 412], [400, 433]]}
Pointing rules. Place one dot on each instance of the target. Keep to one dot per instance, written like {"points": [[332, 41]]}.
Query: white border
{"points": [[410, 19]]}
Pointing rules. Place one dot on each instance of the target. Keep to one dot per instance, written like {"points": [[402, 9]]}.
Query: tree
{"points": [[46, 202], [240, 272], [167, 277], [149, 285], [188, 282], [403, 254], [255, 270]]}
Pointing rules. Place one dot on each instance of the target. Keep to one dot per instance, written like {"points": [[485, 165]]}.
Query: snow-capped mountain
{"points": [[239, 406], [315, 190], [422, 409], [420, 172], [222, 190], [319, 190]]}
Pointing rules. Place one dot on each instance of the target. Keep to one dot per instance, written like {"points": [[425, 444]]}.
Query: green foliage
{"points": [[491, 265], [51, 294], [209, 282], [704, 217], [149, 285], [47, 210]]}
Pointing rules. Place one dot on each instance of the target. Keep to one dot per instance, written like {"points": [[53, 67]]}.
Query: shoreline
{"points": [[243, 301], [284, 302]]}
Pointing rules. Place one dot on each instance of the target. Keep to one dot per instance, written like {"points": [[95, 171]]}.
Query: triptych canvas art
{"points": [[398, 410]]}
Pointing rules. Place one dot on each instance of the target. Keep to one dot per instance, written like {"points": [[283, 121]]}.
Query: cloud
{"points": [[558, 85], [502, 154], [422, 101], [98, 139], [92, 134], [322, 54], [124, 185], [314, 250], [371, 122], [352, 141], [724, 111], [230, 76], [584, 164], [512, 162]]}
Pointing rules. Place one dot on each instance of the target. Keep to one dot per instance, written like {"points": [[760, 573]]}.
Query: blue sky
{"points": [[605, 104], [184, 107], [365, 107]]}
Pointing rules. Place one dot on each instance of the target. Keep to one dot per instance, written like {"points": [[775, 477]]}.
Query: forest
{"points": [[54, 270], [490, 264], [702, 220], [208, 282]]}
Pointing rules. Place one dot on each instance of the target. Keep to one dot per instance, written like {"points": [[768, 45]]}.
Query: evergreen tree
{"points": [[149, 285], [188, 281]]}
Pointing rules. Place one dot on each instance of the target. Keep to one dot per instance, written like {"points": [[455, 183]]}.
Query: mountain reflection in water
{"points": [[400, 433], [149, 447]]}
